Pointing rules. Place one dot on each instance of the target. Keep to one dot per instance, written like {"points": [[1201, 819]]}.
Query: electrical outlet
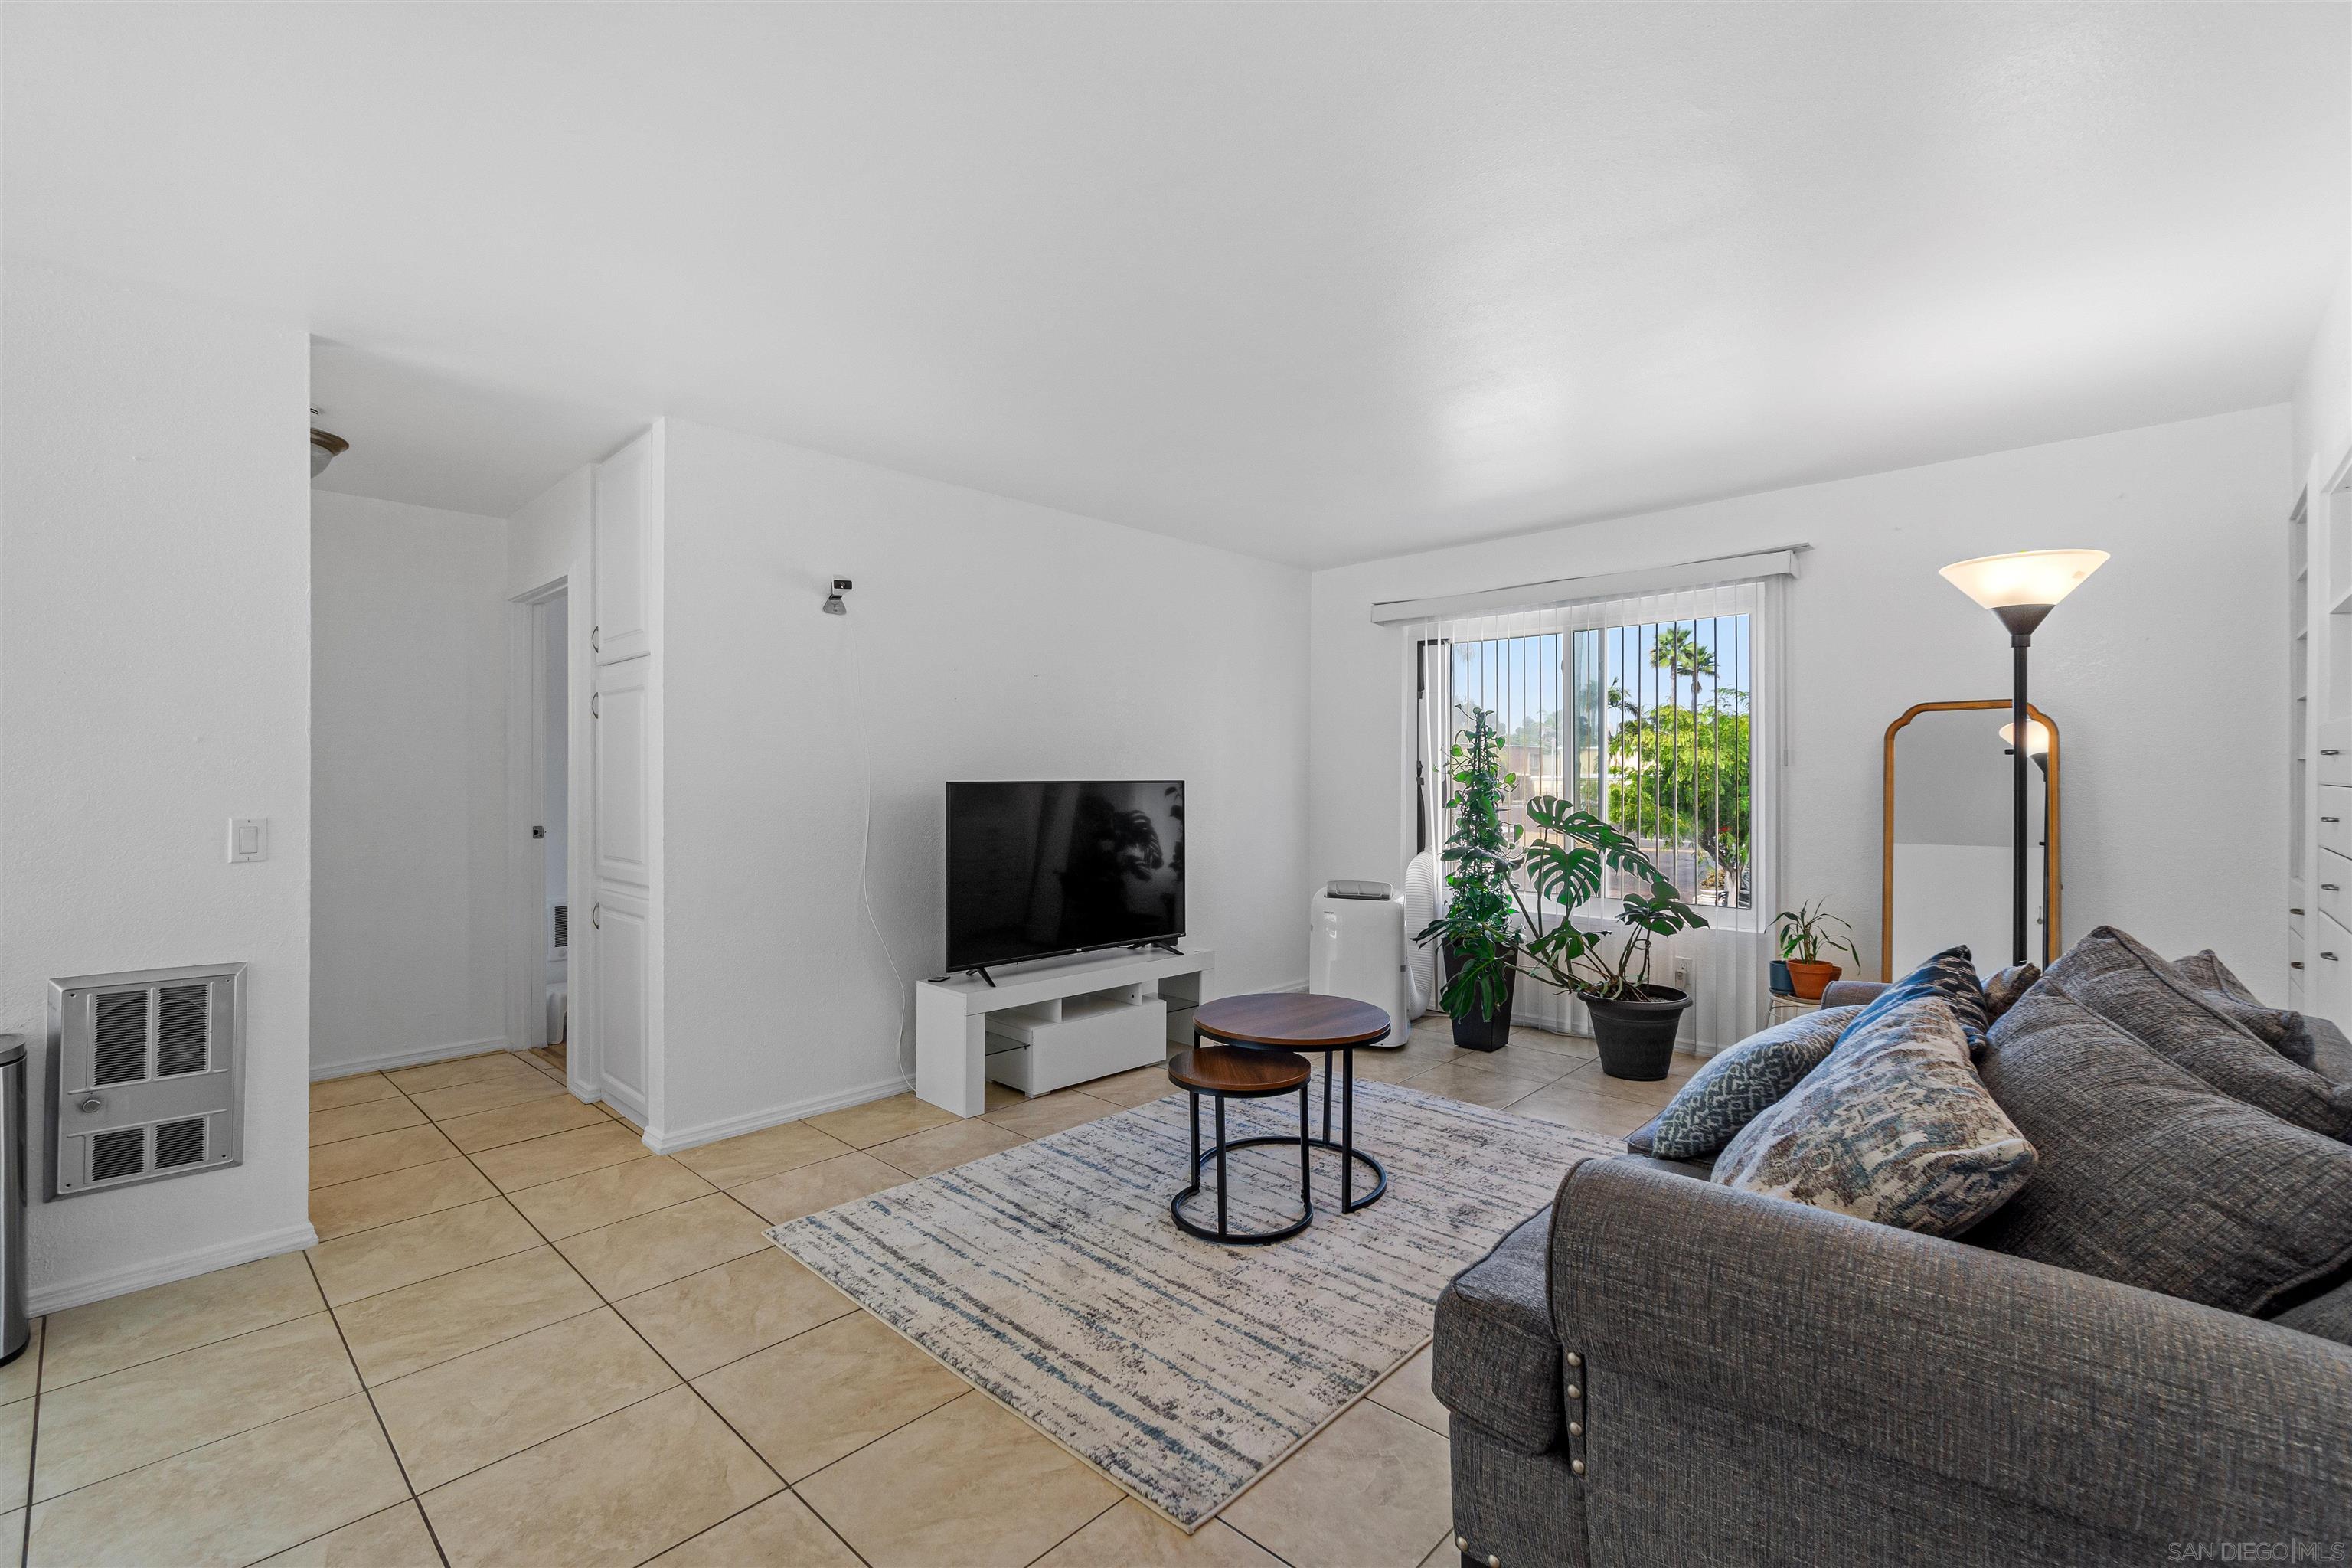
{"points": [[1682, 974]]}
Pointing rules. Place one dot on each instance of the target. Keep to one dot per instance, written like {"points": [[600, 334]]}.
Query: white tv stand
{"points": [[1053, 1022]]}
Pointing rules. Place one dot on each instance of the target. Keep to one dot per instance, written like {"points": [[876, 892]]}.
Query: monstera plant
{"points": [[1515, 895]]}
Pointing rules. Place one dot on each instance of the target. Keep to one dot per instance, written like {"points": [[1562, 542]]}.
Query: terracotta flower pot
{"points": [[1811, 979]]}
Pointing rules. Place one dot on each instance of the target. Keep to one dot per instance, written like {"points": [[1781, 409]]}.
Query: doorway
{"points": [[554, 721], [548, 963]]}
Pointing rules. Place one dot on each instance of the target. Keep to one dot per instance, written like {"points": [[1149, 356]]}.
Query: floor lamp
{"points": [[2021, 589]]}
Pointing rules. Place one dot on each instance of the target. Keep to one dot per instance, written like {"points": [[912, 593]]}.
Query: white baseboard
{"points": [[661, 1140], [59, 1294], [620, 1100], [415, 1058]]}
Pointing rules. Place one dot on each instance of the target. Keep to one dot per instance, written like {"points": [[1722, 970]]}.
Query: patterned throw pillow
{"points": [[1738, 1084], [1894, 1127], [2283, 1030], [1950, 975]]}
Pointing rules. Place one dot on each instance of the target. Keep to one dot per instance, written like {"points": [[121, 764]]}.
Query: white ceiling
{"points": [[1316, 283]]}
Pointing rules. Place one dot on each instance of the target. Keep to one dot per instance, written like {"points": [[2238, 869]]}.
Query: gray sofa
{"points": [[1656, 1370]]}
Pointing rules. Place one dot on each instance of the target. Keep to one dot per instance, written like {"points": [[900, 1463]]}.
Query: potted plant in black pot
{"points": [[1634, 1022], [1477, 932]]}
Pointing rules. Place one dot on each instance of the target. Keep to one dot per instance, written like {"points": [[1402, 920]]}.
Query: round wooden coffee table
{"points": [[1292, 1021], [1226, 1072]]}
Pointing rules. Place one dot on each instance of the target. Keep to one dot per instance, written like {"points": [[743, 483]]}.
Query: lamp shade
{"points": [[2037, 737], [2028, 577]]}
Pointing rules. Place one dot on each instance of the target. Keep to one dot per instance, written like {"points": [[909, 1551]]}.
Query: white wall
{"points": [[154, 662], [2163, 672], [408, 747], [986, 638], [549, 537], [2323, 391]]}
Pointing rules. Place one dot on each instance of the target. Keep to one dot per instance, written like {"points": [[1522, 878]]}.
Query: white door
{"points": [[621, 899], [624, 781], [624, 502], [620, 981]]}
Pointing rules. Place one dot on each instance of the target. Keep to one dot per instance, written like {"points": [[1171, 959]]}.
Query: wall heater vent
{"points": [[563, 927], [146, 1075]]}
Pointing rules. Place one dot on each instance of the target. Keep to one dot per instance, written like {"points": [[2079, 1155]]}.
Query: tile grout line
{"points": [[686, 1383], [603, 1304], [369, 1394], [612, 1302], [825, 1523], [33, 1448], [1083, 1525], [1261, 1545], [606, 1303]]}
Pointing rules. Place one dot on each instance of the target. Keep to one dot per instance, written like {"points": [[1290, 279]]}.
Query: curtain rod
{"points": [[1781, 562]]}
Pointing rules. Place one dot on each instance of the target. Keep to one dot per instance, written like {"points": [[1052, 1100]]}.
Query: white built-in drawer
{"points": [[2327, 969], [2336, 818], [2334, 894], [1008, 1063], [2335, 760]]}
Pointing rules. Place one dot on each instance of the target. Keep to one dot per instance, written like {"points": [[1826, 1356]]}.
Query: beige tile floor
{"points": [[523, 1339]]}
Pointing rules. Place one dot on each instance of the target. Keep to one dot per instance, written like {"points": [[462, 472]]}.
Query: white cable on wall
{"points": [[898, 993]]}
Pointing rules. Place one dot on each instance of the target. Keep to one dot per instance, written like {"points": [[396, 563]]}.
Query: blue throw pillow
{"points": [[1743, 1081], [1950, 975]]}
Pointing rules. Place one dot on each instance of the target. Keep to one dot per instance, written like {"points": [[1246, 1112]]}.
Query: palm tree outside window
{"points": [[1644, 721]]}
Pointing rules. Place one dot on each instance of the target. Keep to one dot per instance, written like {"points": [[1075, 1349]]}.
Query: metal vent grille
{"points": [[179, 1142], [118, 1041], [146, 1075], [118, 1154], [181, 1032], [563, 926]]}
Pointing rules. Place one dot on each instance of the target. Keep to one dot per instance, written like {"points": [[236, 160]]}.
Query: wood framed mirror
{"points": [[1944, 865]]}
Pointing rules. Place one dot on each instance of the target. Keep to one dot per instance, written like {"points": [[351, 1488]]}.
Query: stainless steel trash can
{"points": [[15, 1330]]}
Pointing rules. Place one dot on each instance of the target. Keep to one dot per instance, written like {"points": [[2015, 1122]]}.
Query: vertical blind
{"points": [[1657, 713]]}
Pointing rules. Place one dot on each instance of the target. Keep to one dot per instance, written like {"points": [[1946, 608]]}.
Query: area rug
{"points": [[1051, 1276]]}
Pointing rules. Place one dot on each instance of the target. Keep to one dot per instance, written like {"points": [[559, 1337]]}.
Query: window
{"points": [[1640, 711]]}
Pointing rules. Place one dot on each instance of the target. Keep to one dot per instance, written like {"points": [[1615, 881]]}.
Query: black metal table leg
{"points": [[1316, 1025], [1193, 1095], [1346, 1134], [1306, 1156], [1222, 1233]]}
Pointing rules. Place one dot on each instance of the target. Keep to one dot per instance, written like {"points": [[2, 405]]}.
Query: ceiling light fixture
{"points": [[325, 447]]}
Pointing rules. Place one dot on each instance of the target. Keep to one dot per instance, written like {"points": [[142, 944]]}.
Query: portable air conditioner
{"points": [[1355, 947]]}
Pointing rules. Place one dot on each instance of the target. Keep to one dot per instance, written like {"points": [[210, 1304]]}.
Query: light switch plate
{"points": [[248, 839]]}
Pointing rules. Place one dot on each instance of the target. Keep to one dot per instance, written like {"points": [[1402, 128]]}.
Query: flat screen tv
{"points": [[1041, 868]]}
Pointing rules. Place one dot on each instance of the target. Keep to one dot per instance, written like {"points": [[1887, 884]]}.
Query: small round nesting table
{"points": [[1223, 1073], [1291, 1022]]}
